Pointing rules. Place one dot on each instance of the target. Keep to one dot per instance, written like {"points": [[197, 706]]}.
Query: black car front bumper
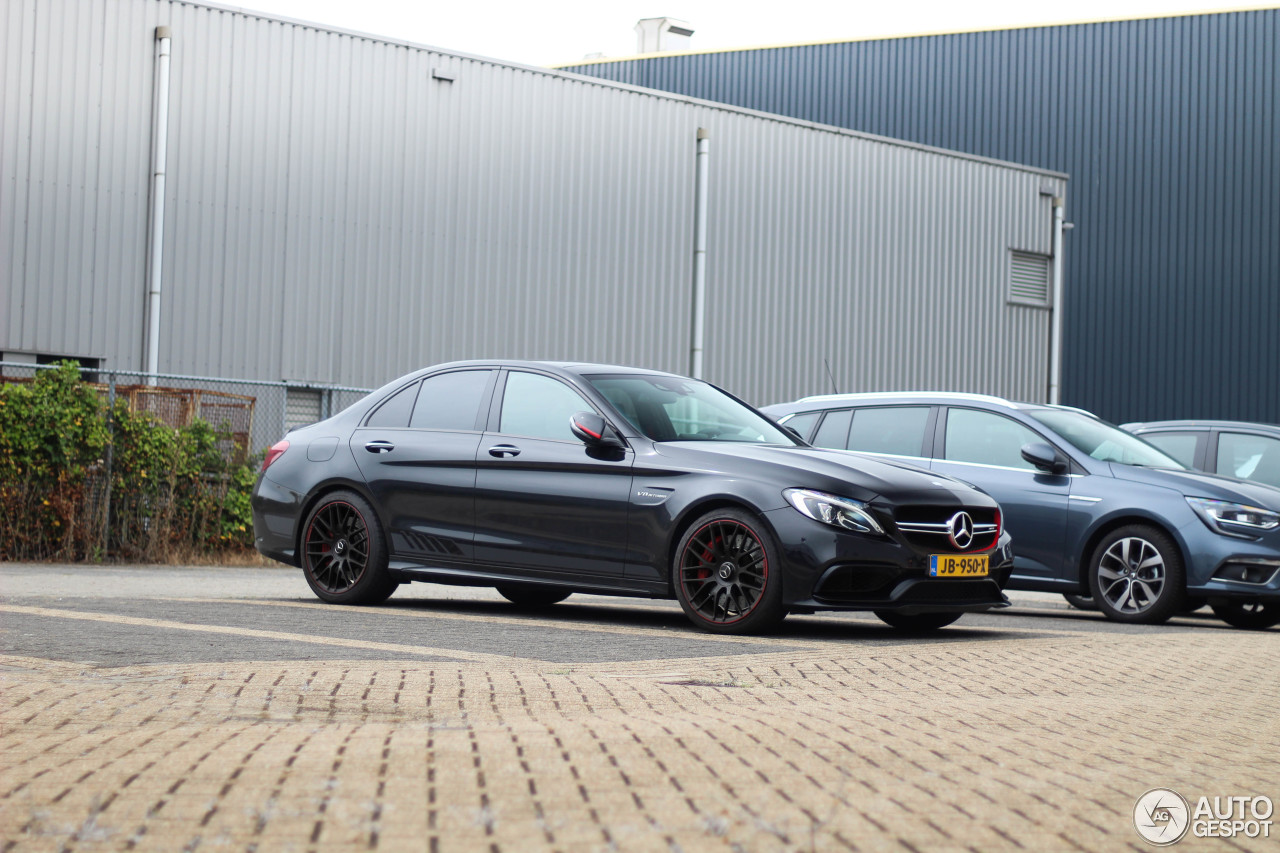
{"points": [[828, 569]]}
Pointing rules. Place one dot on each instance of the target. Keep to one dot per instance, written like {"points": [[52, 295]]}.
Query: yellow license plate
{"points": [[957, 566]]}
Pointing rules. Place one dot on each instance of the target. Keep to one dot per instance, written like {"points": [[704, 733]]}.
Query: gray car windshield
{"points": [[670, 409], [1103, 441]]}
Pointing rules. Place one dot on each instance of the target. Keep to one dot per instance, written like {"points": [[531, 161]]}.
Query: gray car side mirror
{"points": [[1044, 457]]}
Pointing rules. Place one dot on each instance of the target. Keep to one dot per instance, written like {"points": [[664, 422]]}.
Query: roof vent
{"points": [[659, 35]]}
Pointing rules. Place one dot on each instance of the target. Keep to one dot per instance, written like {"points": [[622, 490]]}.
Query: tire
{"points": [[1080, 602], [533, 597], [727, 574], [344, 552], [917, 622], [1251, 615], [1136, 574]]}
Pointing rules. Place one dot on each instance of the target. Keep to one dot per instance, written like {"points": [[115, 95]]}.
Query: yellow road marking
{"points": [[397, 648]]}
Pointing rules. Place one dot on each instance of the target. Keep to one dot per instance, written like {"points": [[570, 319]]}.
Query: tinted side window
{"points": [[1179, 445], [1253, 457], [802, 423], [539, 407], [986, 438], [450, 400], [897, 430], [395, 411], [834, 431]]}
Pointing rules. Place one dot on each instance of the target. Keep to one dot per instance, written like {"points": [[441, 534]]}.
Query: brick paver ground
{"points": [[1035, 743]]}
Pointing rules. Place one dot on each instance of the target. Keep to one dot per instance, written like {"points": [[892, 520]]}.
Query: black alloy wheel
{"points": [[533, 597], [1136, 575], [344, 554], [917, 622], [727, 575], [1252, 615]]}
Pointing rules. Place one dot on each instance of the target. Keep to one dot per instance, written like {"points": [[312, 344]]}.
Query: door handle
{"points": [[379, 447], [503, 450]]}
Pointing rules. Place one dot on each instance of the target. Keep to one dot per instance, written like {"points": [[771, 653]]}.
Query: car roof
{"points": [[577, 368], [928, 397], [1202, 424], [907, 395]]}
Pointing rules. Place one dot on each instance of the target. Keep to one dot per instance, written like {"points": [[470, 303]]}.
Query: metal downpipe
{"points": [[699, 257], [159, 161], [1055, 332]]}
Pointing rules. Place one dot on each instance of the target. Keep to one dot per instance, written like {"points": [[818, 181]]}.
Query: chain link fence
{"points": [[256, 413]]}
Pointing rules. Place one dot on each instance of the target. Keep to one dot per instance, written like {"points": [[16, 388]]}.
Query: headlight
{"points": [[1234, 519], [845, 513]]}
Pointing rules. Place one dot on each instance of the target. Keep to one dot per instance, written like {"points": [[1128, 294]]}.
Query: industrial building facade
{"points": [[1169, 130], [343, 208]]}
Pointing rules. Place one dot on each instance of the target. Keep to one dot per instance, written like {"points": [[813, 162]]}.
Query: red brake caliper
{"points": [[703, 574]]}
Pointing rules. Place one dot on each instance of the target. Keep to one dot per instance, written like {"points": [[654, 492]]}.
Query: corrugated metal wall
{"points": [[337, 213], [1169, 130]]}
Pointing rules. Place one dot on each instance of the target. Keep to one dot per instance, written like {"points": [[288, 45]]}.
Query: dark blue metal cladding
{"points": [[1168, 128]]}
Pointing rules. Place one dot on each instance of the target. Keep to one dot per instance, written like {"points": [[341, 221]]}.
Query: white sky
{"points": [[557, 32]]}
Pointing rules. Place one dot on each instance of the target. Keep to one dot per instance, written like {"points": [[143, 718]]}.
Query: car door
{"points": [[417, 453], [985, 448], [546, 505], [1186, 446], [1250, 456], [898, 432]]}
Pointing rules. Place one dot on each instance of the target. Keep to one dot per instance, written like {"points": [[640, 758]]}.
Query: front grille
{"points": [[928, 528]]}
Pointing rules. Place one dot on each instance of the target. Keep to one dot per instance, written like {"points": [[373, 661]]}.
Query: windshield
{"points": [[1102, 441], [666, 408]]}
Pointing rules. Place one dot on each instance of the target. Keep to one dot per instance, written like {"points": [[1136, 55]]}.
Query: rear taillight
{"points": [[277, 450]]}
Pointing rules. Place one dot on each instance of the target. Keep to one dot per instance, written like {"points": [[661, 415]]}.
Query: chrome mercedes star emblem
{"points": [[960, 530]]}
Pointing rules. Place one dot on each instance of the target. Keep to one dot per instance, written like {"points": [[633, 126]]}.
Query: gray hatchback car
{"points": [[1249, 451], [1093, 510]]}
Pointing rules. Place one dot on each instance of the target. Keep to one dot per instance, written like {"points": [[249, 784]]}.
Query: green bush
{"points": [[79, 482]]}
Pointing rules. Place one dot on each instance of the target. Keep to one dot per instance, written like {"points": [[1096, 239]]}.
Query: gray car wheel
{"points": [[1137, 575]]}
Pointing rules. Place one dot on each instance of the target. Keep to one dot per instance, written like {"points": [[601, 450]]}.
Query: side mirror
{"points": [[1044, 457], [593, 430], [794, 433]]}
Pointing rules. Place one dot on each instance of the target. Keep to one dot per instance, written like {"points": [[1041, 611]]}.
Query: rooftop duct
{"points": [[658, 35]]}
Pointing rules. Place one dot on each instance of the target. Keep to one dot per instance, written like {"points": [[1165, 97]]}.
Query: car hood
{"points": [[1199, 484], [839, 472]]}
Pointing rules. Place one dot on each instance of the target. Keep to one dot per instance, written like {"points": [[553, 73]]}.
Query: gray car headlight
{"points": [[1233, 519], [845, 513]]}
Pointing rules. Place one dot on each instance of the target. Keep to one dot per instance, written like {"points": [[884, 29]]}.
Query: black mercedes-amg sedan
{"points": [[547, 479]]}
